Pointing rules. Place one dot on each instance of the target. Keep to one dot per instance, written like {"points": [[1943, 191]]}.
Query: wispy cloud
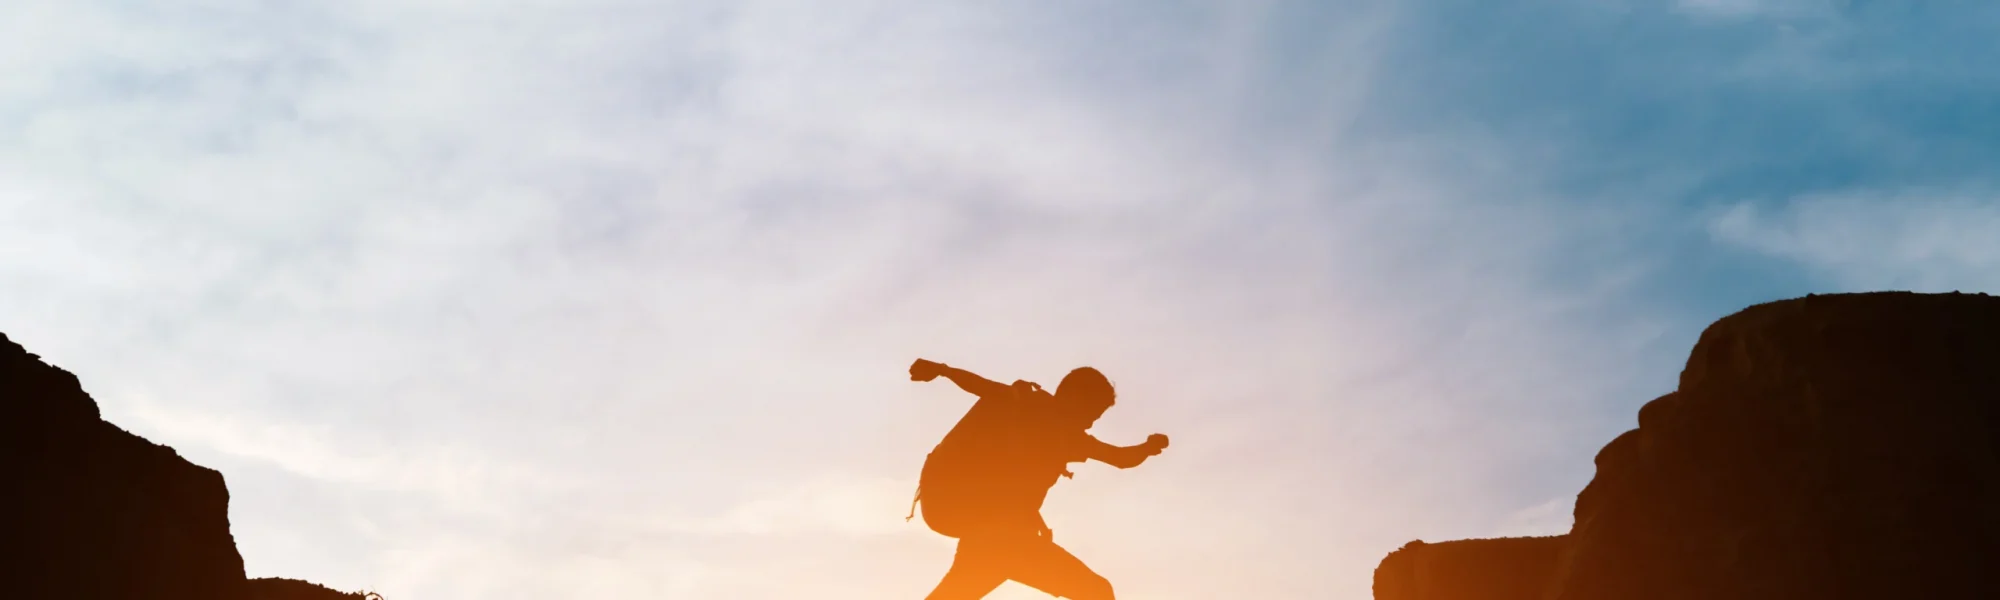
{"points": [[1756, 8], [1923, 240]]}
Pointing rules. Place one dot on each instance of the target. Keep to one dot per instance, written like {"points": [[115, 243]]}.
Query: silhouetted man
{"points": [[985, 483]]}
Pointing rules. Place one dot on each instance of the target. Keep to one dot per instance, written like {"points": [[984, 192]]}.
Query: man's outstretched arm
{"points": [[1126, 457], [924, 370]]}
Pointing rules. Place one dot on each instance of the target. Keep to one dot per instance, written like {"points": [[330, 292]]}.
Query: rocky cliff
{"points": [[1490, 569], [275, 588], [1843, 446], [95, 512]]}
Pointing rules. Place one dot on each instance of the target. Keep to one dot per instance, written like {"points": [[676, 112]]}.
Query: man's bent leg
{"points": [[1043, 565], [974, 573]]}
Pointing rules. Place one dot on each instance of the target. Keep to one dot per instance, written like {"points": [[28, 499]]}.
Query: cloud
{"points": [[1548, 518], [456, 476], [1755, 8], [830, 503], [1922, 240]]}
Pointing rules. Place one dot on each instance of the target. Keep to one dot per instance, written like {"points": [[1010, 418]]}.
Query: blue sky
{"points": [[612, 299]]}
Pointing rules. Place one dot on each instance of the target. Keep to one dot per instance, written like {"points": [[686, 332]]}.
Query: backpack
{"points": [[959, 487]]}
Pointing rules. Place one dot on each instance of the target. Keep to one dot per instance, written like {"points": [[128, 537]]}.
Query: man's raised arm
{"points": [[1126, 457], [924, 370]]}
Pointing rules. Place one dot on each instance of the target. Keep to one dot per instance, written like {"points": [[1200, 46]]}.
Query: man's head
{"points": [[1084, 395]]}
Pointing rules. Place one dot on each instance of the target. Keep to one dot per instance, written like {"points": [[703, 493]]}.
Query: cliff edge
{"points": [[95, 512], [1840, 446]]}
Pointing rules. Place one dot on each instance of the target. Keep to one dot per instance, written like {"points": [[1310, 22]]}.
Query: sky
{"points": [[615, 299]]}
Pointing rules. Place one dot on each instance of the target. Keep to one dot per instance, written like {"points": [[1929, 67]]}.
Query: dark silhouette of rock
{"points": [[97, 512], [1825, 447], [273, 588], [94, 512], [1516, 568]]}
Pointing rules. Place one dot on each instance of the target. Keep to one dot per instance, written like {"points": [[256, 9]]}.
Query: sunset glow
{"points": [[609, 300]]}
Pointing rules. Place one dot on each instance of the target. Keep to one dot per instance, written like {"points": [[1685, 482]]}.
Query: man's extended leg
{"points": [[974, 573], [1041, 564]]}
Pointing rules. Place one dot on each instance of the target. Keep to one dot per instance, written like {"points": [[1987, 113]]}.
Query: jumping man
{"points": [[985, 483]]}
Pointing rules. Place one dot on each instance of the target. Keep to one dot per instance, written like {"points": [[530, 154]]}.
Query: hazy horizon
{"points": [[613, 299]]}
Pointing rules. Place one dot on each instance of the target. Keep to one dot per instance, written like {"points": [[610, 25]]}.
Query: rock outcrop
{"points": [[94, 512], [274, 588], [1516, 568], [97, 512], [1843, 446]]}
